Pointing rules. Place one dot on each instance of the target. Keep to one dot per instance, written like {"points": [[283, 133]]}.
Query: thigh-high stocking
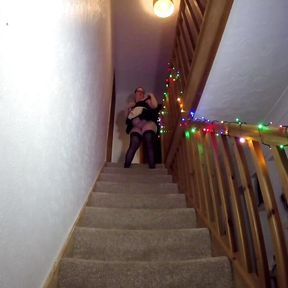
{"points": [[149, 139], [135, 142]]}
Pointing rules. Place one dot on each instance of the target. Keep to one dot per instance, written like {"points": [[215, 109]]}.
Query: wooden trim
{"points": [[111, 124]]}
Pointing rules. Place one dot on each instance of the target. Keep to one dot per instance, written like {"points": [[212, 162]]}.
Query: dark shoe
{"points": [[126, 165]]}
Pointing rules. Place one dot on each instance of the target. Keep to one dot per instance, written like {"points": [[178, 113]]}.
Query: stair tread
{"points": [[138, 178], [123, 244], [145, 200], [138, 218], [136, 187], [156, 171], [138, 194], [158, 262], [201, 273], [136, 232]]}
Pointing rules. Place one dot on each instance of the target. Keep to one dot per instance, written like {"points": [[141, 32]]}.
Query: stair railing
{"points": [[217, 172], [213, 168], [198, 33]]}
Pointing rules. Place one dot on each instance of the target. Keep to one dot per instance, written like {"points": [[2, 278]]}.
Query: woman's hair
{"points": [[139, 89]]}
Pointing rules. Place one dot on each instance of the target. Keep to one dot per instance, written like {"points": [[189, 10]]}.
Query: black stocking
{"points": [[149, 137], [135, 142]]}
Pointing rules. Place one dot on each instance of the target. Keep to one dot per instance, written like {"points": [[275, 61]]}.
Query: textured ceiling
{"points": [[249, 77]]}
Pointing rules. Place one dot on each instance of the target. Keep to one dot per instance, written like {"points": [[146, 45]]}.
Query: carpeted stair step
{"points": [[122, 200], [141, 245], [139, 178], [201, 273], [131, 187], [133, 171], [118, 218]]}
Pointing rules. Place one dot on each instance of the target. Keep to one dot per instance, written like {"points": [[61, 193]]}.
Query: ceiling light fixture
{"points": [[163, 8]]}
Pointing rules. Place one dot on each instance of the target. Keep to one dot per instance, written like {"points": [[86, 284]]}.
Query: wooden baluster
{"points": [[179, 84], [180, 67], [184, 52], [185, 167], [195, 14], [272, 213], [254, 220], [181, 168], [202, 6], [183, 61], [195, 174], [224, 196], [200, 180], [191, 32], [239, 218], [214, 186], [204, 177], [210, 179], [180, 165], [188, 48], [175, 169], [281, 161], [170, 109], [184, 164], [189, 161]]}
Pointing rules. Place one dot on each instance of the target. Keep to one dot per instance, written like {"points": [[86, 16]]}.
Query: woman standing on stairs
{"points": [[142, 115]]}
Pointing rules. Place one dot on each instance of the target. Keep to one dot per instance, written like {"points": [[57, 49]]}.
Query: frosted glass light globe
{"points": [[163, 8]]}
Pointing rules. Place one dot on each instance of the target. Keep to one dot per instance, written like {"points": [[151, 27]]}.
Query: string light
{"points": [[219, 129], [242, 140]]}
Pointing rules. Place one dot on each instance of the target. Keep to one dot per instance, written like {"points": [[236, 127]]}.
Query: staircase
{"points": [[137, 232]]}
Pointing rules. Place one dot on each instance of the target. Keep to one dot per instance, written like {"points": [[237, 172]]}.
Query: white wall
{"points": [[250, 73], [55, 92]]}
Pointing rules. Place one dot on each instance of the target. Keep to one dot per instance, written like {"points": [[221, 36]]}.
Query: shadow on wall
{"points": [[121, 130]]}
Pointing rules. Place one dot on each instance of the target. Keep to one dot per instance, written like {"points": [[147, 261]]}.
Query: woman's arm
{"points": [[129, 107], [152, 101]]}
